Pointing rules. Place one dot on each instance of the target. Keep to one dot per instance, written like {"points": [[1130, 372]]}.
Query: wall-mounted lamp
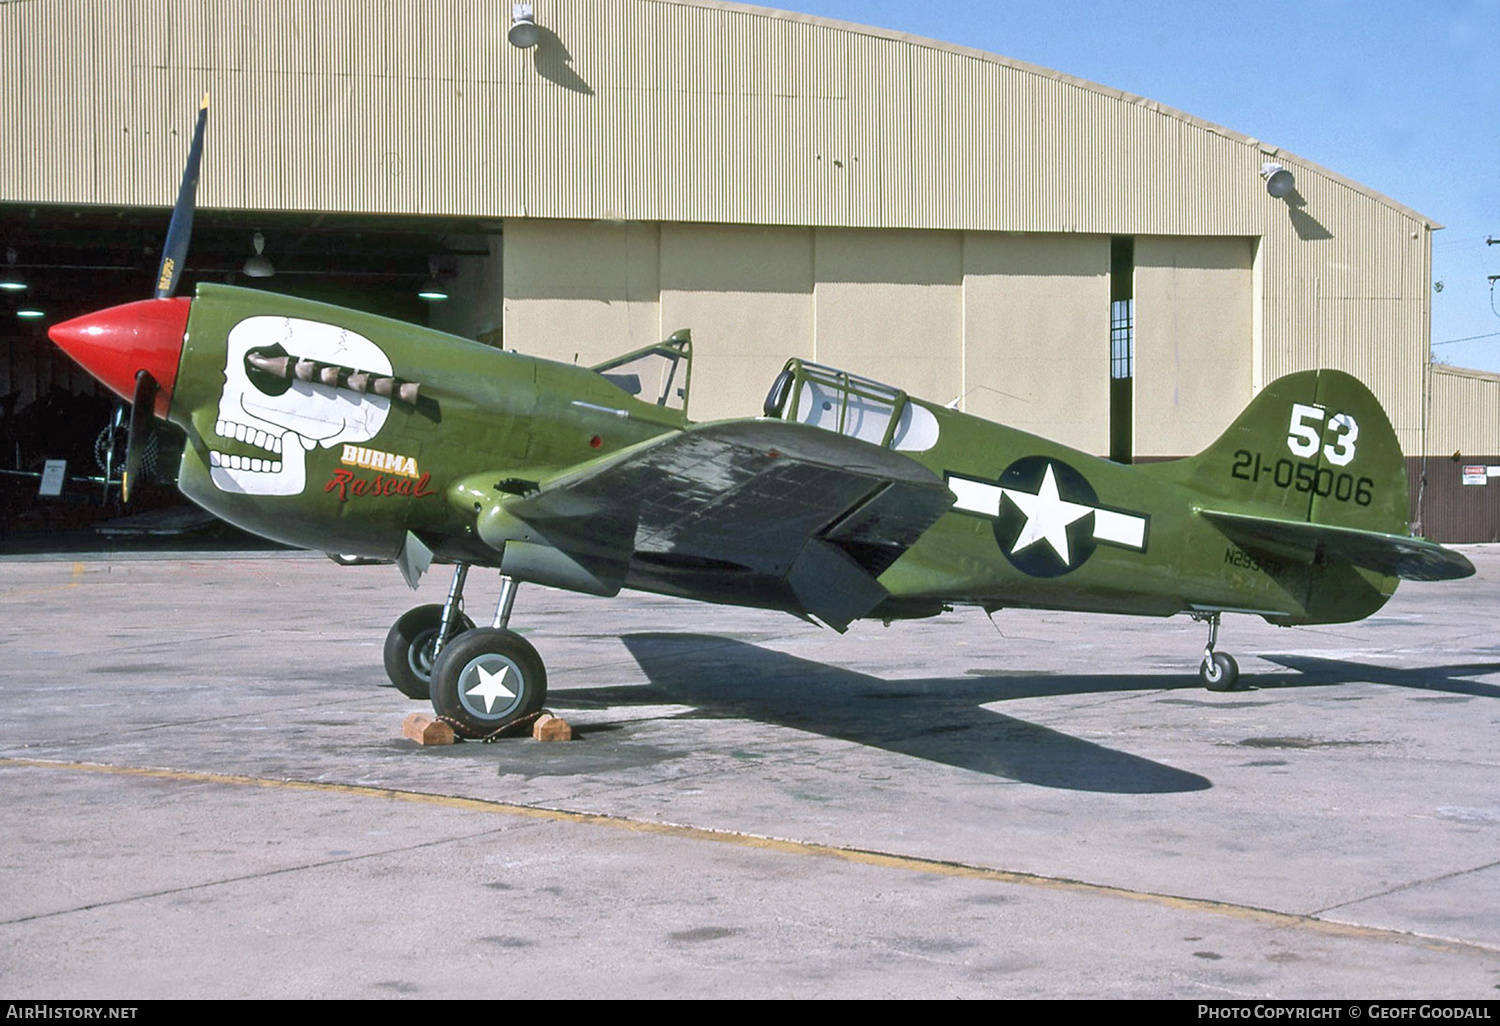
{"points": [[30, 313], [10, 278], [258, 266], [1279, 181], [523, 31]]}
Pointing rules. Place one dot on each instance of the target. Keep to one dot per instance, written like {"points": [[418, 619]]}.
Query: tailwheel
{"points": [[411, 647], [486, 679], [1219, 672]]}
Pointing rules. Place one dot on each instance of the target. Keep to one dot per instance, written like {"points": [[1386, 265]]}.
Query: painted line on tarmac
{"points": [[860, 856], [73, 582]]}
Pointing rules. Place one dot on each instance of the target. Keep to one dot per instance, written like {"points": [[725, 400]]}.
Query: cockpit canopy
{"points": [[658, 374], [835, 400]]}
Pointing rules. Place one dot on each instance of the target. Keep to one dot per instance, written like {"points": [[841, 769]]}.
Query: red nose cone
{"points": [[114, 344]]}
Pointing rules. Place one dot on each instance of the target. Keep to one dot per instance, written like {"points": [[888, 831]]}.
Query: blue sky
{"points": [[1403, 97]]}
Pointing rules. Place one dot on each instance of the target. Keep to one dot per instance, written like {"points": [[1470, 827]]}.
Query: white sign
{"points": [[1475, 475], [53, 474]]}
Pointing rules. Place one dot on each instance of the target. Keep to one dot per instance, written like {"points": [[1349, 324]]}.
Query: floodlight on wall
{"points": [[1279, 181], [523, 32], [10, 278], [433, 290], [30, 313], [258, 266]]}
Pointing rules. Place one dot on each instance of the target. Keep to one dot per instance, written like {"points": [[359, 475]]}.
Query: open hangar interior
{"points": [[1051, 253]]}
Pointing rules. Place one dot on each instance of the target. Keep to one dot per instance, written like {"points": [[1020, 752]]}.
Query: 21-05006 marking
{"points": [[1304, 477]]}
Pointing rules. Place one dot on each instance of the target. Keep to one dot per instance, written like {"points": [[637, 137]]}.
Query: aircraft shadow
{"points": [[935, 719], [1314, 671], [940, 719]]}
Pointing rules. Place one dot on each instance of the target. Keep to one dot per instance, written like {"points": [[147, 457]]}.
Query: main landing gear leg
{"points": [[1219, 671], [415, 640], [488, 678]]}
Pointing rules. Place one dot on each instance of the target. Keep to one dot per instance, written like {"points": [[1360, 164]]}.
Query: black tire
{"points": [[1220, 673], [502, 659], [408, 648]]}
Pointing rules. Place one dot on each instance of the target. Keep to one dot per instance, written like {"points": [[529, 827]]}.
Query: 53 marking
{"points": [[1303, 438]]}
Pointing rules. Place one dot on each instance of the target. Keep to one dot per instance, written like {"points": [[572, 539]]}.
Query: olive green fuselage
{"points": [[330, 469]]}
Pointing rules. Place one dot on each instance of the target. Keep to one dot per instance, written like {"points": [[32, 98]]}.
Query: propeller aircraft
{"points": [[333, 429]]}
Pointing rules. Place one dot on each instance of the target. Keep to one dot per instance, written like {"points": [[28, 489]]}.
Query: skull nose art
{"points": [[114, 344]]}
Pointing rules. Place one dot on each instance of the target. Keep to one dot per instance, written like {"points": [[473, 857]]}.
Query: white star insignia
{"points": [[1047, 514], [491, 686], [1047, 517]]}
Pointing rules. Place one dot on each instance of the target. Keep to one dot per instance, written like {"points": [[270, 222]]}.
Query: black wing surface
{"points": [[823, 512]]}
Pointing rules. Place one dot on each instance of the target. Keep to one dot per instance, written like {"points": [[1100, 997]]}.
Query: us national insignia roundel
{"points": [[1046, 522], [1047, 518]]}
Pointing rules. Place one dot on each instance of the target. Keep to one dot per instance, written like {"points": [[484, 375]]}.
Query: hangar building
{"points": [[1048, 252]]}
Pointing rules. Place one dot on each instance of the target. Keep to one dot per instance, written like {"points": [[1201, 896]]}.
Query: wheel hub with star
{"points": [[489, 686]]}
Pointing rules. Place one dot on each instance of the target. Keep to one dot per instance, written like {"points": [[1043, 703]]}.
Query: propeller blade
{"points": [[142, 422], [174, 253]]}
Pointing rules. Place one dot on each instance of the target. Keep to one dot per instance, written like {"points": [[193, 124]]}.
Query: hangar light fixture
{"points": [[433, 290], [523, 31], [30, 313], [10, 278], [258, 266], [1279, 181]]}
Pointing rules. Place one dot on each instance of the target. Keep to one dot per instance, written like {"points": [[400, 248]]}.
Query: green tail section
{"points": [[1313, 447], [1310, 483]]}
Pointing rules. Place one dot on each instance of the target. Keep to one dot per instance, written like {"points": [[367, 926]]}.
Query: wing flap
{"points": [[832, 586], [1413, 559]]}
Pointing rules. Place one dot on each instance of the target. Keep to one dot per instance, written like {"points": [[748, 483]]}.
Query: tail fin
{"points": [[1313, 466], [1314, 447]]}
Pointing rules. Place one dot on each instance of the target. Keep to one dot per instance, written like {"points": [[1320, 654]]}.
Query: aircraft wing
{"points": [[1413, 559], [822, 512]]}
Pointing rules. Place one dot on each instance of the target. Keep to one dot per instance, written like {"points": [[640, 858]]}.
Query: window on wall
{"points": [[1122, 349], [1121, 339]]}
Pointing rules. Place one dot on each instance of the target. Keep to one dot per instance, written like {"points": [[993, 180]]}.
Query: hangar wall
{"points": [[1463, 433], [1193, 316], [778, 120], [1036, 324], [1014, 325], [1465, 411], [747, 294]]}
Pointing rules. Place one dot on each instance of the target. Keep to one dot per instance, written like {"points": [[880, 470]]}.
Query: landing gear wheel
{"points": [[1219, 672], [409, 645], [487, 679]]}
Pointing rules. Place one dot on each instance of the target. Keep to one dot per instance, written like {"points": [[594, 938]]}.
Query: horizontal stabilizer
{"points": [[1394, 555]]}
